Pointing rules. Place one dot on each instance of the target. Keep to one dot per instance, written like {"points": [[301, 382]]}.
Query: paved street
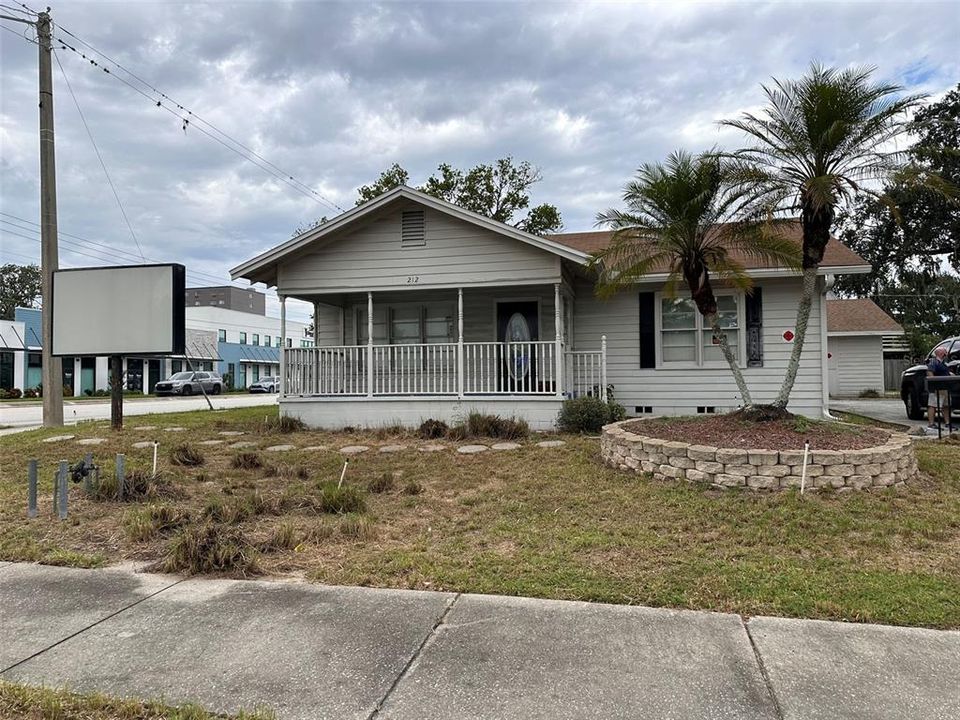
{"points": [[31, 415], [312, 651]]}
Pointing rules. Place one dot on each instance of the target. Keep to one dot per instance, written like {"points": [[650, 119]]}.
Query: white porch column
{"points": [[283, 346], [343, 327], [77, 384], [460, 364], [146, 376], [558, 339], [316, 323], [370, 344], [603, 368]]}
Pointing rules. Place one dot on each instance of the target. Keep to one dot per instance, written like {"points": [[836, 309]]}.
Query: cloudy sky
{"points": [[334, 93]]}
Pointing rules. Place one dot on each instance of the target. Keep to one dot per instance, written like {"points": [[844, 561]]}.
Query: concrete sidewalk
{"points": [[310, 651]]}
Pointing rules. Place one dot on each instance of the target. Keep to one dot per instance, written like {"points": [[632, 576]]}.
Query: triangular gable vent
{"points": [[412, 228]]}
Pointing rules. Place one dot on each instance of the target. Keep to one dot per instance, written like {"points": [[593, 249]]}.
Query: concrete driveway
{"points": [[885, 409], [312, 651], [29, 415]]}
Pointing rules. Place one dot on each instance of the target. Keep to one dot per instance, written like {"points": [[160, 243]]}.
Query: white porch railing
{"points": [[489, 368]]}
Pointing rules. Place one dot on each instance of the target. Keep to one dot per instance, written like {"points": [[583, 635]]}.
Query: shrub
{"points": [[356, 526], [144, 523], [282, 424], [283, 537], [342, 499], [247, 461], [389, 431], [236, 510], [588, 414], [210, 547], [14, 394], [67, 391], [491, 426], [433, 429], [138, 485], [382, 484], [412, 487], [30, 393], [186, 455]]}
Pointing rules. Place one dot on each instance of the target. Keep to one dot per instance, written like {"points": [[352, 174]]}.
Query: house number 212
{"points": [[413, 279]]}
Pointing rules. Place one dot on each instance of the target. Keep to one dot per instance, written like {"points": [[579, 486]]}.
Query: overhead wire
{"points": [[103, 165]]}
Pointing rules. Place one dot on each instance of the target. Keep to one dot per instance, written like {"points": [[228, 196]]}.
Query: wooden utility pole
{"points": [[51, 372], [116, 392]]}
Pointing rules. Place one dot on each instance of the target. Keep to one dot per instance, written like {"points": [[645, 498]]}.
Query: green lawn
{"points": [[543, 522], [34, 703]]}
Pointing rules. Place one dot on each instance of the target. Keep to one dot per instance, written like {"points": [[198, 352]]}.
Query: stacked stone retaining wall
{"points": [[893, 463]]}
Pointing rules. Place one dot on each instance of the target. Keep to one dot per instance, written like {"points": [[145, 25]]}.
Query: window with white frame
{"points": [[686, 339]]}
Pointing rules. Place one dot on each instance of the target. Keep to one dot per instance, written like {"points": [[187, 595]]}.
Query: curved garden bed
{"points": [[761, 456]]}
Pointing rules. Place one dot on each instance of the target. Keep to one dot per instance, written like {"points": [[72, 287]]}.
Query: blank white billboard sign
{"points": [[135, 310]]}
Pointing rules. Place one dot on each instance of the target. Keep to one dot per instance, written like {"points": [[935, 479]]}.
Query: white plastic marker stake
{"points": [[343, 474], [155, 446], [803, 473]]}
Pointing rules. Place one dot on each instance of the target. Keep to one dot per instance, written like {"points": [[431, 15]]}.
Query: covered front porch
{"points": [[433, 352]]}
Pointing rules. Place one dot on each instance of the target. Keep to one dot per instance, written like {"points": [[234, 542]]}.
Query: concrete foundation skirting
{"points": [[893, 463], [333, 413]]}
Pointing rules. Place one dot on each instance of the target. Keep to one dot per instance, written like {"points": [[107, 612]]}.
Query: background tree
{"points": [[818, 144], [500, 191], [671, 223], [911, 238], [19, 287]]}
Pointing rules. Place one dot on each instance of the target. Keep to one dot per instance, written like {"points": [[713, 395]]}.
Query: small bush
{"points": [[67, 391], [339, 500], [356, 526], [138, 485], [381, 484], [238, 509], [282, 424], [588, 414], [869, 393], [412, 487], [186, 455], [389, 431], [491, 426], [144, 523], [283, 537], [433, 429], [30, 393], [210, 548], [13, 394], [247, 461]]}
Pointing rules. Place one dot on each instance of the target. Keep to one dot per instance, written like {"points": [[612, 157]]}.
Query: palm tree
{"points": [[815, 145], [679, 220]]}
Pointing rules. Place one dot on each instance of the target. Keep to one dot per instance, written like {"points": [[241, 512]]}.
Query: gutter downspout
{"points": [[828, 281]]}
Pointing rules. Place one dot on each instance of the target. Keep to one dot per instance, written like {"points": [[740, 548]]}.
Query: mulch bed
{"points": [[787, 434]]}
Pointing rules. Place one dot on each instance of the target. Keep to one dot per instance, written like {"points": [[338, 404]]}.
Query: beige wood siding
{"points": [[680, 391], [856, 365], [328, 325], [456, 253]]}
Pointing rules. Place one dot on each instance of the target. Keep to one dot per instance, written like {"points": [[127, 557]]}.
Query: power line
{"points": [[158, 99], [99, 156]]}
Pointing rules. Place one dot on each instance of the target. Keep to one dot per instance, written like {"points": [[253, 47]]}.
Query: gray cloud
{"points": [[336, 92]]}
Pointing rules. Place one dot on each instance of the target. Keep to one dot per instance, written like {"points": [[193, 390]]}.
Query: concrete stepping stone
{"points": [[144, 427], [242, 445], [431, 448], [551, 443], [281, 448], [91, 441], [354, 449], [174, 429], [212, 442], [472, 449], [143, 444], [316, 448], [506, 446], [230, 433], [58, 438], [392, 448]]}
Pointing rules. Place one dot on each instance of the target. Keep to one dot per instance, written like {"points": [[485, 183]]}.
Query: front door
{"points": [[155, 367], [518, 325]]}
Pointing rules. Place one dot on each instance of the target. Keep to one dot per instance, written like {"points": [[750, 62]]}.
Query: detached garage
{"points": [[855, 332]]}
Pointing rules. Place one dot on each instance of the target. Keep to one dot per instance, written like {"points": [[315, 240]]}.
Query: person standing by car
{"points": [[936, 367]]}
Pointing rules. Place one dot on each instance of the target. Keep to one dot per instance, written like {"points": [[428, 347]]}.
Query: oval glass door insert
{"points": [[517, 336]]}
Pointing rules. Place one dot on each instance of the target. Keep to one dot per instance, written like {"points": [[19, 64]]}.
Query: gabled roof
{"points": [[256, 266], [859, 316], [837, 256]]}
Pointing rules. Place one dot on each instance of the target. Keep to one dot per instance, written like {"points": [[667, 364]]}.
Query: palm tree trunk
{"points": [[803, 319], [713, 320]]}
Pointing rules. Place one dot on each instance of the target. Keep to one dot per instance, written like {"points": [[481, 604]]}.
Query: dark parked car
{"points": [[190, 383], [913, 387], [268, 384]]}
